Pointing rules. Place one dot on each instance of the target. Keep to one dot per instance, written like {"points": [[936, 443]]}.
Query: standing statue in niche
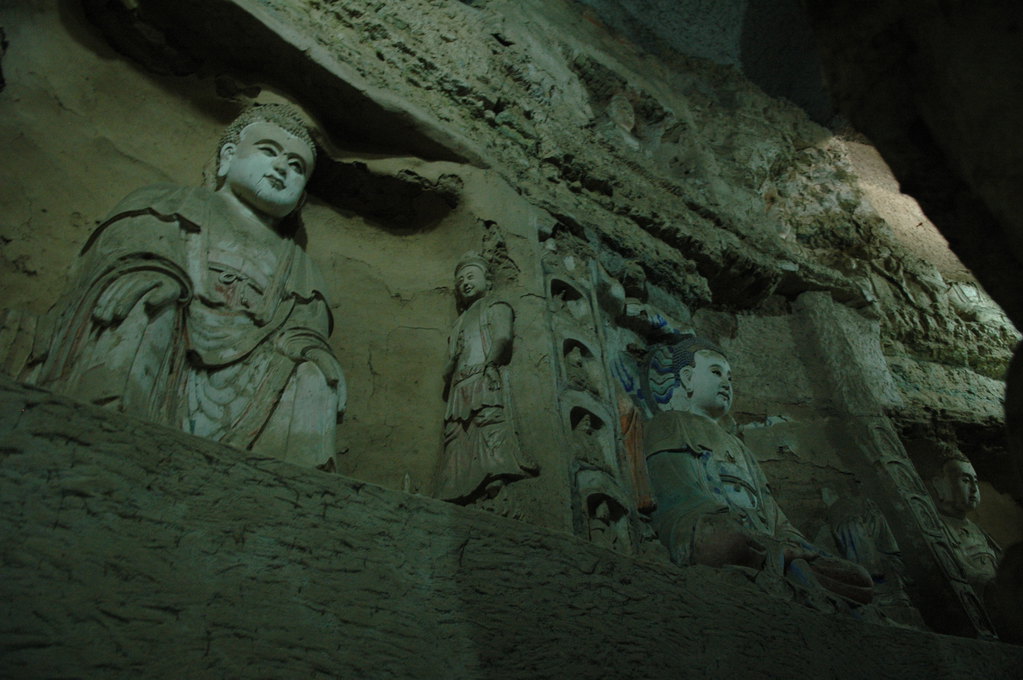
{"points": [[714, 506], [481, 448], [957, 492], [197, 309]]}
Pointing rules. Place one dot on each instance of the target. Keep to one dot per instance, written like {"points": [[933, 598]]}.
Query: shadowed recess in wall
{"points": [[403, 203], [128, 34]]}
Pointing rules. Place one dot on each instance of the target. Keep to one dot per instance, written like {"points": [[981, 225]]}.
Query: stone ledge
{"points": [[132, 550]]}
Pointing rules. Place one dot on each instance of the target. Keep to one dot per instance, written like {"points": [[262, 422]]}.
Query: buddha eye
{"points": [[297, 167]]}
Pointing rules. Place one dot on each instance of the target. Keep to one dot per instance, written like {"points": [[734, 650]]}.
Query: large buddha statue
{"points": [[196, 308], [957, 492], [714, 506]]}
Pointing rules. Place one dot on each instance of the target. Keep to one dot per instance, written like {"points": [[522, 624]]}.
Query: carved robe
{"points": [[698, 469], [977, 552], [241, 356], [480, 443]]}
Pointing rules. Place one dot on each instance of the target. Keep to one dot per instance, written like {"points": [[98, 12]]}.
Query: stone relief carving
{"points": [[863, 535], [956, 492], [878, 443], [591, 436], [604, 509], [574, 283], [196, 308], [567, 298], [481, 448], [714, 506], [971, 303], [626, 300], [582, 370]]}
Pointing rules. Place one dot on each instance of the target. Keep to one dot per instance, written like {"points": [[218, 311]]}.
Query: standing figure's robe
{"points": [[480, 443]]}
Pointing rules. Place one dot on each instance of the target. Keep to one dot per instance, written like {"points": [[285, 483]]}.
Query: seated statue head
{"points": [[265, 159], [702, 371], [472, 279], [955, 484]]}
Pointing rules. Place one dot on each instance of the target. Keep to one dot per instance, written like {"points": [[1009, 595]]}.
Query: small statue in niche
{"points": [[586, 436], [713, 504], [196, 308], [957, 492], [580, 371], [481, 448]]}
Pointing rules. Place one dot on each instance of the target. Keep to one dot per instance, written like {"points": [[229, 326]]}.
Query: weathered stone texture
{"points": [[134, 550], [446, 126], [724, 194]]}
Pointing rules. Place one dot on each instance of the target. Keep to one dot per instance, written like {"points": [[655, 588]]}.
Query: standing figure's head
{"points": [[266, 158], [955, 484], [703, 372], [472, 279]]}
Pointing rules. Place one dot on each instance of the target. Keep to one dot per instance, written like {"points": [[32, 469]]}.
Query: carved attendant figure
{"points": [[713, 503], [957, 492], [196, 308], [481, 449]]}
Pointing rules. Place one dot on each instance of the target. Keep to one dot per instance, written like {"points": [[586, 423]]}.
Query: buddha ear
{"points": [[226, 156], [685, 377]]}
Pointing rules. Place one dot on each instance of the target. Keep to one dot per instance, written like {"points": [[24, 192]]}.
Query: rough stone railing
{"points": [[131, 550]]}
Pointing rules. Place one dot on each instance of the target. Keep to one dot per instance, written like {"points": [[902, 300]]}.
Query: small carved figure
{"points": [[587, 440], [481, 448], [197, 309], [713, 503], [579, 369], [957, 492]]}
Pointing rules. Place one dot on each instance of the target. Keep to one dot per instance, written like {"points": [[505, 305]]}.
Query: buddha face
{"points": [[709, 384], [471, 283], [960, 492], [267, 169]]}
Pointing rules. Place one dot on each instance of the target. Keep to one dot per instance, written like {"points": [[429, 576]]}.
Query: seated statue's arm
{"points": [[154, 288], [304, 338]]}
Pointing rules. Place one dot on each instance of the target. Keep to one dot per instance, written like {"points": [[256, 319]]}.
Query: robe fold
{"points": [[231, 358]]}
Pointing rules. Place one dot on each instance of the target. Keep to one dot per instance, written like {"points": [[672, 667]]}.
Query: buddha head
{"points": [[703, 372], [265, 160], [955, 485], [472, 279]]}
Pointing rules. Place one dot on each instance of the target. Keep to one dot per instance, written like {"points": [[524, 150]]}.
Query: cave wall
{"points": [[532, 132]]}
